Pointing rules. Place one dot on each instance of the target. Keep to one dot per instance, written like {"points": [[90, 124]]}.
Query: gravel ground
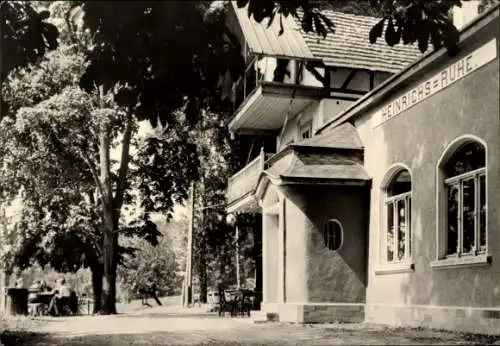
{"points": [[176, 326]]}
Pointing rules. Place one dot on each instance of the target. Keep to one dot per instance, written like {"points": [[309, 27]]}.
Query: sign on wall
{"points": [[439, 81]]}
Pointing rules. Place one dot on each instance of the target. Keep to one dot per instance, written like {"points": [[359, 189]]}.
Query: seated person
{"points": [[44, 286], [62, 300]]}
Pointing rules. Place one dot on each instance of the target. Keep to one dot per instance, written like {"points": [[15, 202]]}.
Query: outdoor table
{"points": [[45, 297]]}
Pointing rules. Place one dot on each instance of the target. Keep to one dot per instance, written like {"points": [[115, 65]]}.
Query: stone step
{"points": [[273, 317], [258, 316], [263, 317]]}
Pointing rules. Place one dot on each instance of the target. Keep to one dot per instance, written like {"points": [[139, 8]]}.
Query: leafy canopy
{"points": [[26, 34]]}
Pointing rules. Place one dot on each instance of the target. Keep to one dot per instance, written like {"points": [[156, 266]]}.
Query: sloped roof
{"points": [[322, 158], [344, 136], [262, 39], [320, 166], [349, 45]]}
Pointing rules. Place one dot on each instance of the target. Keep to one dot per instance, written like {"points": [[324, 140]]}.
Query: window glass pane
{"points": [[390, 232], [408, 224], [469, 157], [482, 213], [333, 235], [306, 130], [452, 226], [401, 183], [401, 213], [468, 216], [306, 134]]}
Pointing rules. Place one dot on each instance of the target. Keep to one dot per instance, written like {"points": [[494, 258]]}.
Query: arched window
{"points": [[333, 235], [464, 175], [398, 217]]}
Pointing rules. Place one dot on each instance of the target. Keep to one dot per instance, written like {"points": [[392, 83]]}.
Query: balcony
{"points": [[241, 186], [263, 96]]}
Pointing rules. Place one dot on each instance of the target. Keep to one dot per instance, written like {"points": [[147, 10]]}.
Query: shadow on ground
{"points": [[272, 335], [151, 339]]}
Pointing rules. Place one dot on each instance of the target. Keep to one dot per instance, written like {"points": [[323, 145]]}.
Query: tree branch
{"points": [[87, 160]]}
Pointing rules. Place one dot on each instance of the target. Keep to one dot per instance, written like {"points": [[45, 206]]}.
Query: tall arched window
{"points": [[464, 175], [398, 217]]}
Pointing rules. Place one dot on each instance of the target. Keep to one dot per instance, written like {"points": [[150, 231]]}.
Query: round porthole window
{"points": [[333, 235]]}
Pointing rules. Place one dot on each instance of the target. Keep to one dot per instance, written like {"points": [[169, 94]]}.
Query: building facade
{"points": [[381, 201]]}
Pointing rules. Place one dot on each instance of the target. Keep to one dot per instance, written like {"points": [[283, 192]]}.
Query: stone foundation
{"points": [[320, 312], [464, 319]]}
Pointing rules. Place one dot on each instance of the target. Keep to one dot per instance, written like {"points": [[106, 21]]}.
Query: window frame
{"points": [[406, 197], [405, 265], [458, 180], [305, 126], [477, 257], [325, 230]]}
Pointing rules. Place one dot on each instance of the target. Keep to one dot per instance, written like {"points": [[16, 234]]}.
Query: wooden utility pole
{"points": [[188, 279], [4, 278]]}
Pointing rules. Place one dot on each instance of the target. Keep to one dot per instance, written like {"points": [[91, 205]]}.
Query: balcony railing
{"points": [[273, 70], [245, 85], [244, 182]]}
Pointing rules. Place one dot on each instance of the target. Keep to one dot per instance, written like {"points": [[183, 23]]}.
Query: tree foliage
{"points": [[161, 264], [26, 34], [165, 51], [56, 156]]}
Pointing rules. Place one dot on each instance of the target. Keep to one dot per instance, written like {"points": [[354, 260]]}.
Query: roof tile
{"points": [[349, 45], [344, 136]]}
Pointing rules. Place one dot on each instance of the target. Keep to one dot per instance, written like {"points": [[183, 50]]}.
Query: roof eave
{"points": [[396, 80]]}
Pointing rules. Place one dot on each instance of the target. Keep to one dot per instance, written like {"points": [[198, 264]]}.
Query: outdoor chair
{"points": [[242, 303], [245, 303], [227, 303], [84, 304]]}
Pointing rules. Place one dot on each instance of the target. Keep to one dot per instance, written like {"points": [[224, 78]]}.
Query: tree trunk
{"points": [[97, 275], [111, 206], [202, 273], [109, 279], [109, 243]]}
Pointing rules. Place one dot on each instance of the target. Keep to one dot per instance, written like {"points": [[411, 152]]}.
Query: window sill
{"points": [[395, 268], [462, 262]]}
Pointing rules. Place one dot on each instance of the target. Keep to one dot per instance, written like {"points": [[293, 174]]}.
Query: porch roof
{"points": [[336, 159], [344, 136]]}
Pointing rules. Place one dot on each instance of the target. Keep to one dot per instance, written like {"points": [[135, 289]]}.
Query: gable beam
{"points": [[372, 80], [349, 78], [311, 68], [256, 132]]}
